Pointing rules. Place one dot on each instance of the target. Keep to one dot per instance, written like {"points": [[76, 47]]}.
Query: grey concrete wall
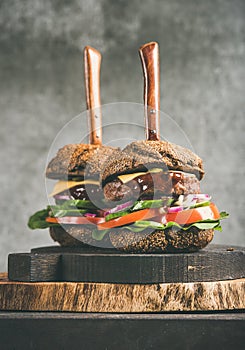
{"points": [[202, 79]]}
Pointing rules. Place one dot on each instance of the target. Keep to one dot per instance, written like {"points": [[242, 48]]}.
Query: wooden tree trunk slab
{"points": [[121, 298], [87, 264]]}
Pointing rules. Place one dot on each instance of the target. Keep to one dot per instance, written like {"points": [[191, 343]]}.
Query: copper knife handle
{"points": [[149, 55], [92, 63]]}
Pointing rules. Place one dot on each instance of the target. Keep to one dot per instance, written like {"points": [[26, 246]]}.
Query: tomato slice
{"points": [[190, 216], [76, 220], [129, 218]]}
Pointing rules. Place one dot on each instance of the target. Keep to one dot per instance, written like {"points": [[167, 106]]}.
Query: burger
{"points": [[144, 199], [77, 195], [158, 204]]}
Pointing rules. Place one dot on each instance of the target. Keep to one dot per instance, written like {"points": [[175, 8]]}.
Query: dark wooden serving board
{"points": [[88, 264], [63, 330]]}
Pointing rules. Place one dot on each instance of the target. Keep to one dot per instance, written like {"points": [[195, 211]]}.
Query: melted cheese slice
{"points": [[128, 177], [62, 186]]}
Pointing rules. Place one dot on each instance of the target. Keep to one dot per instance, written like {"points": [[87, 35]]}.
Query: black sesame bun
{"points": [[77, 236], [168, 241], [171, 240], [72, 160], [76, 162], [142, 155]]}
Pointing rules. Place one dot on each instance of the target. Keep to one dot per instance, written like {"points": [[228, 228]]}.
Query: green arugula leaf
{"points": [[68, 208], [139, 226], [140, 205], [77, 203], [99, 235], [198, 205], [223, 215], [117, 215], [154, 203], [37, 220], [58, 213]]}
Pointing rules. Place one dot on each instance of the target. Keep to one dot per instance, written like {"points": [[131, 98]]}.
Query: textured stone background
{"points": [[203, 80]]}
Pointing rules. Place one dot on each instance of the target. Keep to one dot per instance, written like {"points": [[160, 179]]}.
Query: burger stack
{"points": [[145, 198]]}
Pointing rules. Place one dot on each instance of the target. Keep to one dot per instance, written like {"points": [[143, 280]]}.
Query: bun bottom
{"points": [[167, 241], [170, 240], [59, 235], [77, 236]]}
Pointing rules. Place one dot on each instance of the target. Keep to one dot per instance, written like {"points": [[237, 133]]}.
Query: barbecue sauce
{"points": [[84, 192], [163, 181]]}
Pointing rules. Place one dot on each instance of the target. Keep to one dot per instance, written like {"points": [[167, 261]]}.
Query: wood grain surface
{"points": [[90, 264], [108, 297]]}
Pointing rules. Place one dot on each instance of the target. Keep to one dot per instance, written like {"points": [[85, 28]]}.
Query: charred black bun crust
{"points": [[142, 154], [59, 235], [71, 160], [169, 240], [81, 236]]}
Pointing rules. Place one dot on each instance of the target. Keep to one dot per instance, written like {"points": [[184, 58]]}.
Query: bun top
{"points": [[71, 161], [142, 155]]}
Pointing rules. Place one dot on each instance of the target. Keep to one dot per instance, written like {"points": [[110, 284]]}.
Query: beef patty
{"points": [[152, 185]]}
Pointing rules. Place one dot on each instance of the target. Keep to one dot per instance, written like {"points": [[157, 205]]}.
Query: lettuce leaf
{"points": [[98, 235], [139, 205], [140, 226], [198, 205], [58, 212], [154, 203], [207, 224], [71, 207], [37, 220], [117, 215], [223, 215], [76, 203]]}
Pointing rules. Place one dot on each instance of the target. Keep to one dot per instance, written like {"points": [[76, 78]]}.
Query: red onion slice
{"points": [[205, 197], [90, 215], [192, 199], [175, 209], [118, 208]]}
